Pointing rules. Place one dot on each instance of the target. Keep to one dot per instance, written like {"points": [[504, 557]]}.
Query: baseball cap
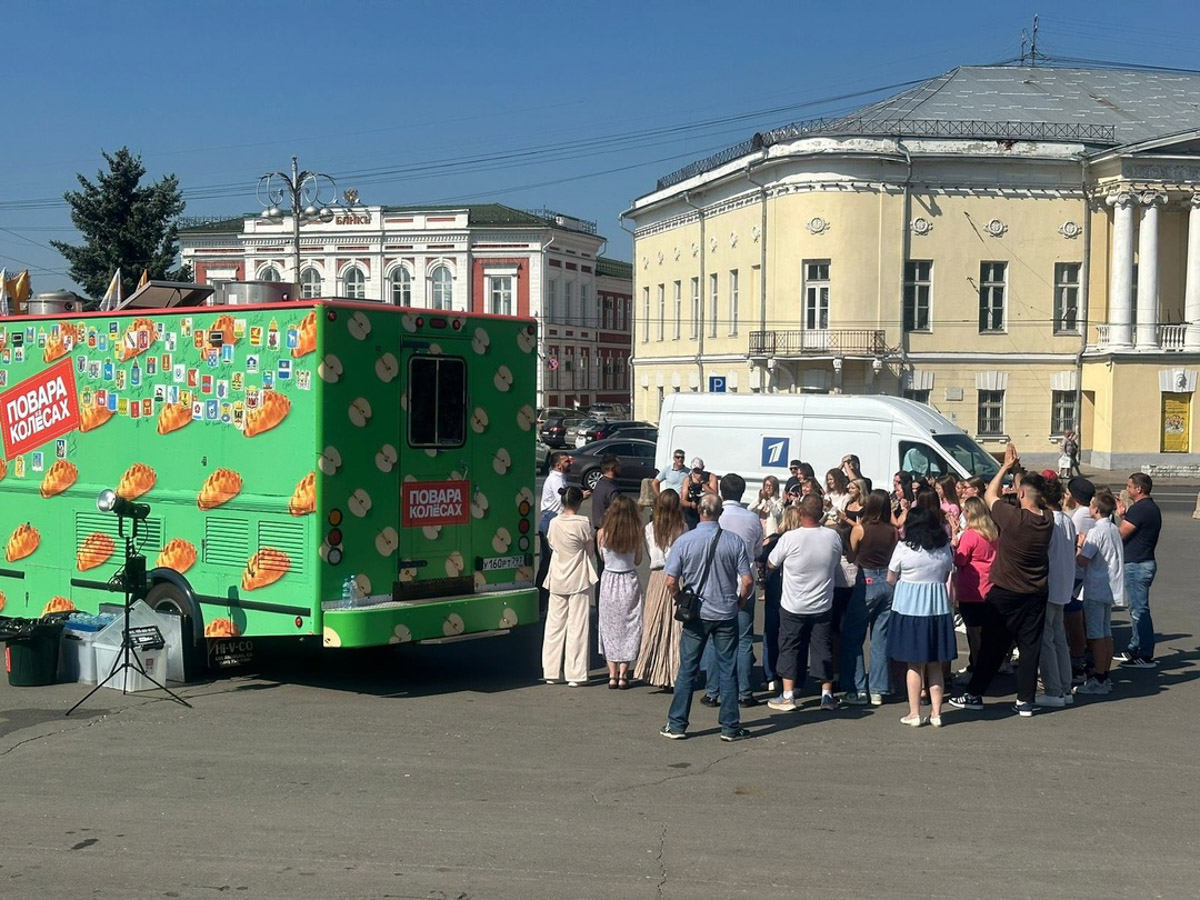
{"points": [[1081, 489], [698, 463]]}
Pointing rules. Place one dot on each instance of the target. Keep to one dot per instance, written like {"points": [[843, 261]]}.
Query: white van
{"points": [[757, 435]]}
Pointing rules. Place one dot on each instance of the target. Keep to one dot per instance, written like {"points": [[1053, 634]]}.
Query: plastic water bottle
{"points": [[348, 590]]}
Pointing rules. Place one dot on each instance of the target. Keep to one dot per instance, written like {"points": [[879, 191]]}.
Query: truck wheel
{"points": [[591, 478], [169, 599]]}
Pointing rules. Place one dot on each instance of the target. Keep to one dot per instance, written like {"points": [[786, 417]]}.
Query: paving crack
{"points": [[662, 863]]}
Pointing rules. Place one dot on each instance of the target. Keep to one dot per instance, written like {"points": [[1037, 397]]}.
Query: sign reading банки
{"points": [[39, 409]]}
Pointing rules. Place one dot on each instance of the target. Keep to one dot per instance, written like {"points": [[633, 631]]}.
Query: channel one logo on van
{"points": [[775, 452]]}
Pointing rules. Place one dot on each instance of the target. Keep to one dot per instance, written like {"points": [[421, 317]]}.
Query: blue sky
{"points": [[572, 106]]}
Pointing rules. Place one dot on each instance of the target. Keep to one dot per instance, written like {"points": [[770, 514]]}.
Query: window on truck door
{"points": [[437, 401], [921, 459]]}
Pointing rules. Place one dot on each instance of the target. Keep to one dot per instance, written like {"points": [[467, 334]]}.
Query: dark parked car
{"points": [[554, 432], [637, 462], [553, 412], [604, 430]]}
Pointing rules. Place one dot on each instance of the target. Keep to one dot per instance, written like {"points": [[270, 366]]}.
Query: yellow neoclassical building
{"points": [[1018, 247]]}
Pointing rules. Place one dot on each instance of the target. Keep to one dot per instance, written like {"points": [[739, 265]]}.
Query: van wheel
{"points": [[591, 478], [168, 599]]}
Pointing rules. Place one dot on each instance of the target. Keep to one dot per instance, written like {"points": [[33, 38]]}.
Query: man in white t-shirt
{"points": [[551, 506], [1102, 555], [807, 557], [1076, 503], [1055, 661]]}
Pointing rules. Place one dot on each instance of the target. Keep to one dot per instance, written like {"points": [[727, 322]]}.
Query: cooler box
{"points": [[139, 615], [130, 679]]}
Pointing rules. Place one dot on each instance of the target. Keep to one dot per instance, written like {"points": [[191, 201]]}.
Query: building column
{"points": [[1120, 286], [1147, 282], [1191, 301]]}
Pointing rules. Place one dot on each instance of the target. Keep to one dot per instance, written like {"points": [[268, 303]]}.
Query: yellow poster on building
{"points": [[1176, 424]]}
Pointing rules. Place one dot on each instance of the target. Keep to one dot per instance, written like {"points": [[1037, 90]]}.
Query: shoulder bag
{"points": [[687, 598]]}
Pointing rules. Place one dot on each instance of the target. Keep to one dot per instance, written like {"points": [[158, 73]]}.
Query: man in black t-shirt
{"points": [[1141, 525]]}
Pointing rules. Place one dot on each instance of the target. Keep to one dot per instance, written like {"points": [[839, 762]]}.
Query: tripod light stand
{"points": [[131, 579]]}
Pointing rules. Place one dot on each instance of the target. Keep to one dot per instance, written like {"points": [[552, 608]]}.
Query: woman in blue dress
{"points": [[921, 627]]}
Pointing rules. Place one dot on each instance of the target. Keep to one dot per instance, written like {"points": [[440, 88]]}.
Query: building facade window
{"points": [[1066, 298], [1062, 412], [993, 288], [401, 287], [678, 309], [733, 301], [816, 294], [921, 396], [662, 311], [310, 283], [500, 295], [991, 413], [713, 306], [356, 283], [587, 315], [918, 284], [695, 308], [552, 301], [645, 314], [569, 312], [270, 273], [443, 288]]}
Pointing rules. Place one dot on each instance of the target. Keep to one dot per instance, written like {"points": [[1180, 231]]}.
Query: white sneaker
{"points": [[773, 686], [782, 703], [877, 699], [1051, 701], [914, 721]]}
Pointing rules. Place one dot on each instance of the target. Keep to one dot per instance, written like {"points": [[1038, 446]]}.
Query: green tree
{"points": [[125, 225]]}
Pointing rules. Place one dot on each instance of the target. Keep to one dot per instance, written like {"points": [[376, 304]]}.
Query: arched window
{"points": [[356, 283], [401, 287], [443, 288], [310, 283], [270, 273]]}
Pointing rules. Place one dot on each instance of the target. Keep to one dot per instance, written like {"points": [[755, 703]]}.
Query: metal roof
{"points": [[1100, 108]]}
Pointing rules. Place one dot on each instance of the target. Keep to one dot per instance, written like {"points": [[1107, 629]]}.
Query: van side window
{"points": [[437, 401], [920, 459]]}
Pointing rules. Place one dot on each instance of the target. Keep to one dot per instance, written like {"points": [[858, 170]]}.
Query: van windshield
{"points": [[969, 455]]}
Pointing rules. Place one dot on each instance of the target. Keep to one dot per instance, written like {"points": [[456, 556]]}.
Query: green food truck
{"points": [[354, 471]]}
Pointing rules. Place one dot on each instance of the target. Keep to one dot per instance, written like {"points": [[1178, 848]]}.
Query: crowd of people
{"points": [[863, 588]]}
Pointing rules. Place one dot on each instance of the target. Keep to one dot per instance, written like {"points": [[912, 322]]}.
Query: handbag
{"points": [[687, 598]]}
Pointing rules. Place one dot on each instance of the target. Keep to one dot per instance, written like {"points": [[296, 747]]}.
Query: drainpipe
{"points": [[1085, 269], [632, 317], [687, 198], [763, 374], [905, 252]]}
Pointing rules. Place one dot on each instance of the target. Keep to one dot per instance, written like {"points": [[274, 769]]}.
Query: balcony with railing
{"points": [[1169, 338], [818, 342]]}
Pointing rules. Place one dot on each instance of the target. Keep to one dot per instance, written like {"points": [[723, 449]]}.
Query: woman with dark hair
{"points": [[620, 541], [921, 627], [658, 661], [772, 582], [836, 494], [902, 496], [569, 580], [947, 490], [872, 541]]}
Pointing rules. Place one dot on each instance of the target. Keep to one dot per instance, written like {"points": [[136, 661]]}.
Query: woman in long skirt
{"points": [[921, 626], [658, 661], [569, 580], [620, 543]]}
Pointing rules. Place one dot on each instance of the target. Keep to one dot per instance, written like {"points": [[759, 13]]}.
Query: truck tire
{"points": [[171, 599]]}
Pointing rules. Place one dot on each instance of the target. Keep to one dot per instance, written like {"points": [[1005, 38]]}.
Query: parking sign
{"points": [[716, 384]]}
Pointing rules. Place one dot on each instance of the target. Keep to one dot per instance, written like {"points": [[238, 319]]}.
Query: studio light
{"points": [[108, 501]]}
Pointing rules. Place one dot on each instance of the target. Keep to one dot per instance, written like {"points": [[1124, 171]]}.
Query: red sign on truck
{"points": [[39, 409], [435, 503]]}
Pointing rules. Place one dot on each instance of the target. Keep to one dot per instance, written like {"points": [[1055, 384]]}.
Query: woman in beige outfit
{"points": [[569, 580]]}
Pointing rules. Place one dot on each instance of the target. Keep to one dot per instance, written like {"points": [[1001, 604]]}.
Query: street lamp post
{"points": [[302, 190]]}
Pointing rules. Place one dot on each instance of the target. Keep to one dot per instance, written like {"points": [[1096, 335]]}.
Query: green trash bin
{"points": [[32, 660]]}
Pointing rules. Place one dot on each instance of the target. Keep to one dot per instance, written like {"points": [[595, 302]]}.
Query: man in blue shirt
{"points": [[737, 519], [722, 594]]}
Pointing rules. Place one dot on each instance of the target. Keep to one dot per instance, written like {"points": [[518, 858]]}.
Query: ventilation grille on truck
{"points": [[226, 541], [288, 537], [150, 532]]}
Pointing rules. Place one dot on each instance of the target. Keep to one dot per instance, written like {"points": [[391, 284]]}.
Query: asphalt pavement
{"points": [[449, 771]]}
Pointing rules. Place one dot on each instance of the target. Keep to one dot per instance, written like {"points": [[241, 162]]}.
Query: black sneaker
{"points": [[1138, 662], [670, 735], [711, 702], [748, 702], [740, 734], [1025, 710], [966, 701]]}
